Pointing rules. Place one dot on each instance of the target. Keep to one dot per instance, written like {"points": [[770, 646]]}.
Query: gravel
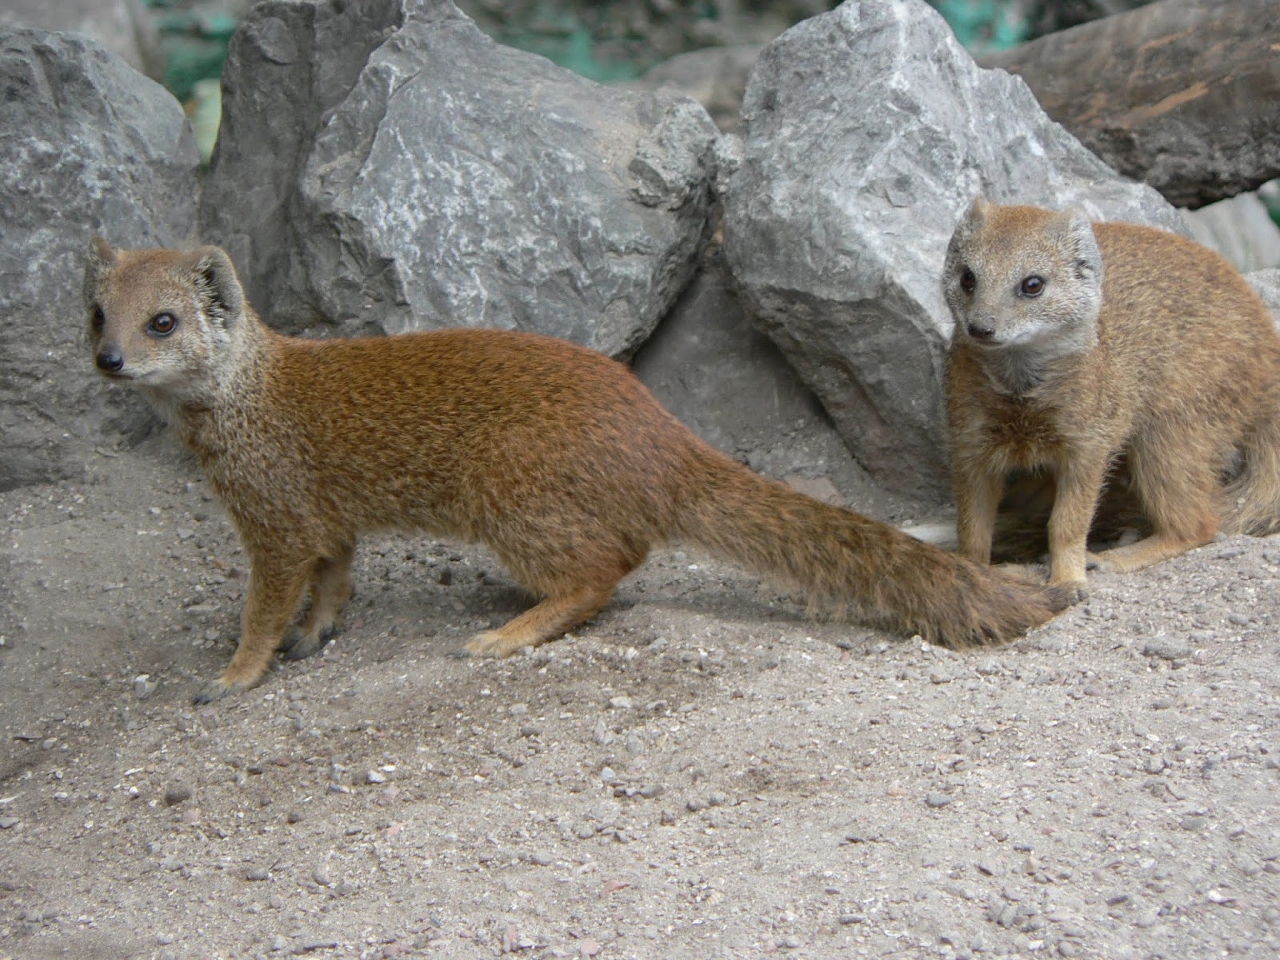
{"points": [[700, 772]]}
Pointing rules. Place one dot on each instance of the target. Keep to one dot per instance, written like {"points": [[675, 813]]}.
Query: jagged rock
{"points": [[122, 26], [715, 76], [1180, 94], [728, 383], [87, 144], [867, 131], [386, 167]]}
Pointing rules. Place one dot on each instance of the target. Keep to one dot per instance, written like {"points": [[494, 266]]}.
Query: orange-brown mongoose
{"points": [[553, 455], [1076, 344]]}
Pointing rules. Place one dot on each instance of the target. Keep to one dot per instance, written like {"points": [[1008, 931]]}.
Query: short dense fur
{"points": [[1135, 344], [554, 456]]}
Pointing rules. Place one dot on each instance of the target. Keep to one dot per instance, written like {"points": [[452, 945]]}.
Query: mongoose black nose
{"points": [[978, 332], [110, 362]]}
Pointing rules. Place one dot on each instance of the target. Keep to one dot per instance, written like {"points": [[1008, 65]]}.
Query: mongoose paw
{"points": [[459, 653], [1073, 591], [492, 643], [1031, 572], [297, 645], [216, 690]]}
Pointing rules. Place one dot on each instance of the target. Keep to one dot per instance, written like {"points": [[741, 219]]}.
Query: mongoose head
{"points": [[163, 320], [1024, 280]]}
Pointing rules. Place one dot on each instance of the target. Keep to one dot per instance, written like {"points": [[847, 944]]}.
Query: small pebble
{"points": [[177, 793], [321, 876], [1165, 648], [257, 874], [937, 799], [1193, 823]]}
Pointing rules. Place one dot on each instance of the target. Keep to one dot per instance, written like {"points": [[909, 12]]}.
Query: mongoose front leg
{"points": [[330, 590], [545, 621], [275, 586], [1080, 476], [977, 492]]}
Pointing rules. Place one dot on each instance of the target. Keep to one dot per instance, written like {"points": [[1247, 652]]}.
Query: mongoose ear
{"points": [[1077, 234], [99, 258], [216, 280], [972, 218]]}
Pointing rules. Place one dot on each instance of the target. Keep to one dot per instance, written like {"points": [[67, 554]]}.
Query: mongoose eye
{"points": [[162, 324], [1032, 286], [97, 319], [968, 282]]}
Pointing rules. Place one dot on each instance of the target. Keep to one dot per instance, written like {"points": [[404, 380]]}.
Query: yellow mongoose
{"points": [[1078, 344], [554, 456]]}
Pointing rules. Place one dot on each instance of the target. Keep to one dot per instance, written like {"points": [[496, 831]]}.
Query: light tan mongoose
{"points": [[553, 455], [1076, 344]]}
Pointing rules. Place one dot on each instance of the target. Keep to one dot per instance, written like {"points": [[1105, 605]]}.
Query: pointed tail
{"points": [[843, 559]]}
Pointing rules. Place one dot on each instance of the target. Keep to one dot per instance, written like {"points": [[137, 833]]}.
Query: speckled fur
{"points": [[554, 456], [1142, 344]]}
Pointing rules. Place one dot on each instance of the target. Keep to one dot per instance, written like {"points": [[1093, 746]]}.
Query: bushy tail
{"points": [[847, 560], [1252, 497]]}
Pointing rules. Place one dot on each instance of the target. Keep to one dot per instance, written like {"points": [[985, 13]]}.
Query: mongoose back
{"points": [[553, 455], [1078, 344]]}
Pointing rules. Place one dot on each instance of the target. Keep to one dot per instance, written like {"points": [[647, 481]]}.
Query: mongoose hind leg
{"points": [[1178, 490], [275, 586], [330, 590], [545, 621]]}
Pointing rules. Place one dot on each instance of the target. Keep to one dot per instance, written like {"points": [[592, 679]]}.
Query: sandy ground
{"points": [[701, 772]]}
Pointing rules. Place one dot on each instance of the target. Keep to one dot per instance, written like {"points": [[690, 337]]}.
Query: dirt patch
{"points": [[701, 772]]}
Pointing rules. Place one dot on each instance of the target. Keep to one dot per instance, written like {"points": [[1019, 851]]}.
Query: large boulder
{"points": [[122, 26], [384, 166], [867, 132], [1240, 228], [87, 145], [730, 384]]}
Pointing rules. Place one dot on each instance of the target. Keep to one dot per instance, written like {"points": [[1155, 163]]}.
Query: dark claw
{"points": [[211, 691], [290, 639], [301, 646]]}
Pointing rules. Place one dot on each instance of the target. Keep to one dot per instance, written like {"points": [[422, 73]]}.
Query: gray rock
{"points": [[386, 167], [867, 132], [728, 382], [1267, 283], [87, 144], [1241, 229], [714, 76], [122, 26]]}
